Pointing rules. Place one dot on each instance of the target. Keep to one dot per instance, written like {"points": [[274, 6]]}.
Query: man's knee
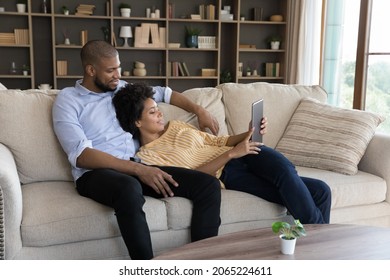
{"points": [[129, 192]]}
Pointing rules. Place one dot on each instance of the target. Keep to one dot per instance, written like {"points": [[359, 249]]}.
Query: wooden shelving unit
{"points": [[47, 31]]}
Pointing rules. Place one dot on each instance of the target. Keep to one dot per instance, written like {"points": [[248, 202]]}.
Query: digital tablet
{"points": [[257, 115]]}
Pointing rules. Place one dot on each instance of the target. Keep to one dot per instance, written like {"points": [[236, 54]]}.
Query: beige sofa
{"points": [[43, 217]]}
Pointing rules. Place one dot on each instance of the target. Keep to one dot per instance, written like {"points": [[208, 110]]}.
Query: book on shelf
{"points": [[7, 38], [272, 69], [171, 10], [187, 73], [257, 14], [181, 69], [62, 67], [207, 11], [176, 69], [83, 37]]}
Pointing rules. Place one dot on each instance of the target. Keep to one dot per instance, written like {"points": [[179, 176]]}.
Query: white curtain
{"points": [[305, 42]]}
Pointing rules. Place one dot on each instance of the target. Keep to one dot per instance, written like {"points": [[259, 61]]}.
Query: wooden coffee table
{"points": [[323, 242]]}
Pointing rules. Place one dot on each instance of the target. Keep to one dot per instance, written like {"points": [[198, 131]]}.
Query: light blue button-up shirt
{"points": [[84, 119]]}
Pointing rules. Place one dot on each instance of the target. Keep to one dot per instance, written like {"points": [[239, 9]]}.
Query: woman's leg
{"points": [[272, 176], [321, 194], [205, 192], [123, 193]]}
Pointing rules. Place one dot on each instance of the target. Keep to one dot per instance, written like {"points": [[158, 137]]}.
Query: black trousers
{"points": [[125, 194]]}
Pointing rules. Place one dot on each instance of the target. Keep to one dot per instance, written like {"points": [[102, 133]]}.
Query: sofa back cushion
{"points": [[280, 102], [208, 97], [26, 129]]}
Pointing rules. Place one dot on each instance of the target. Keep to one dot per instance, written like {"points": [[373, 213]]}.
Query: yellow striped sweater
{"points": [[183, 145]]}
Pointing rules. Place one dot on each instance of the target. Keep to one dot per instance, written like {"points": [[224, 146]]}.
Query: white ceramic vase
{"points": [[287, 247], [125, 12]]}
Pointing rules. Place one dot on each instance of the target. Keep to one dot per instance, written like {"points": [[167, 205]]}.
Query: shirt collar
{"points": [[84, 91]]}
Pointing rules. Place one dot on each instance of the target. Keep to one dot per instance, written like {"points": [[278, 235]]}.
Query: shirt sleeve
{"points": [[65, 123], [162, 94]]}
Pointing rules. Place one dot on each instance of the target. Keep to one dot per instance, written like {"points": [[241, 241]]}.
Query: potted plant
{"points": [[274, 42], [65, 10], [288, 235], [125, 9], [192, 34], [21, 6], [25, 69]]}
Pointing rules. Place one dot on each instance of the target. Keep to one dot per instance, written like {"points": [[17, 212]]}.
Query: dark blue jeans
{"points": [[271, 176], [125, 194]]}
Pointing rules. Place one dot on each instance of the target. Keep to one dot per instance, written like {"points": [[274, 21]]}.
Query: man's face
{"points": [[107, 74]]}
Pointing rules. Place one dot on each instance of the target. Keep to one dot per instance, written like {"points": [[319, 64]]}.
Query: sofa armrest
{"points": [[11, 194], [376, 159]]}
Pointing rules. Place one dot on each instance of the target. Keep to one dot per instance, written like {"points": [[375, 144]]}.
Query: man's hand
{"points": [[206, 120], [157, 179]]}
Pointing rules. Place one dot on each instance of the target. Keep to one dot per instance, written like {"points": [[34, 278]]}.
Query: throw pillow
{"points": [[326, 137]]}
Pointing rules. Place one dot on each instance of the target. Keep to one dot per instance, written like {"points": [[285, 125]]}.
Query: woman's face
{"points": [[152, 120]]}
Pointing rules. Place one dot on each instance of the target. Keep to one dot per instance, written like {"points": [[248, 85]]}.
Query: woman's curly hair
{"points": [[129, 103]]}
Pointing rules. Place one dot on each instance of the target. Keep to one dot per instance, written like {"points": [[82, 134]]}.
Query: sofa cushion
{"points": [[26, 129], [280, 102], [236, 207], [360, 189], [209, 98], [326, 137], [54, 213]]}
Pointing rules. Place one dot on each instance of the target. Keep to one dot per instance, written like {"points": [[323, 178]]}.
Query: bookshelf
{"points": [[233, 33]]}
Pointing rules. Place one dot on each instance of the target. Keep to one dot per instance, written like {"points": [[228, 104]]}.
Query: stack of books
{"points": [[272, 69], [84, 10], [7, 38]]}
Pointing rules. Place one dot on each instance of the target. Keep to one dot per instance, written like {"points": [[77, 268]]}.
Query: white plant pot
{"points": [[287, 247], [275, 45], [21, 8], [125, 12]]}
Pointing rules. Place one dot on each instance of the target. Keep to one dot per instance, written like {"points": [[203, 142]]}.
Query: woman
{"points": [[240, 164]]}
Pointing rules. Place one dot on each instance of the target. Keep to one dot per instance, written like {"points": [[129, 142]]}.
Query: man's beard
{"points": [[101, 86]]}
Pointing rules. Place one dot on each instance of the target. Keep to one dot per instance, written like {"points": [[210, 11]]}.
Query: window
{"points": [[377, 90], [356, 66]]}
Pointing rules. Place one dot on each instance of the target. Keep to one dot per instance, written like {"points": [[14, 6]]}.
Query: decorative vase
{"points": [[139, 72], [125, 12], [67, 41], [287, 246], [192, 41], [275, 45]]}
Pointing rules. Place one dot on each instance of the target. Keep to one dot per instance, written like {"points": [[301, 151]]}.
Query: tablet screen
{"points": [[257, 115]]}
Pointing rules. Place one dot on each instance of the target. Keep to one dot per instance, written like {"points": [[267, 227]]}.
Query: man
{"points": [[101, 153]]}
